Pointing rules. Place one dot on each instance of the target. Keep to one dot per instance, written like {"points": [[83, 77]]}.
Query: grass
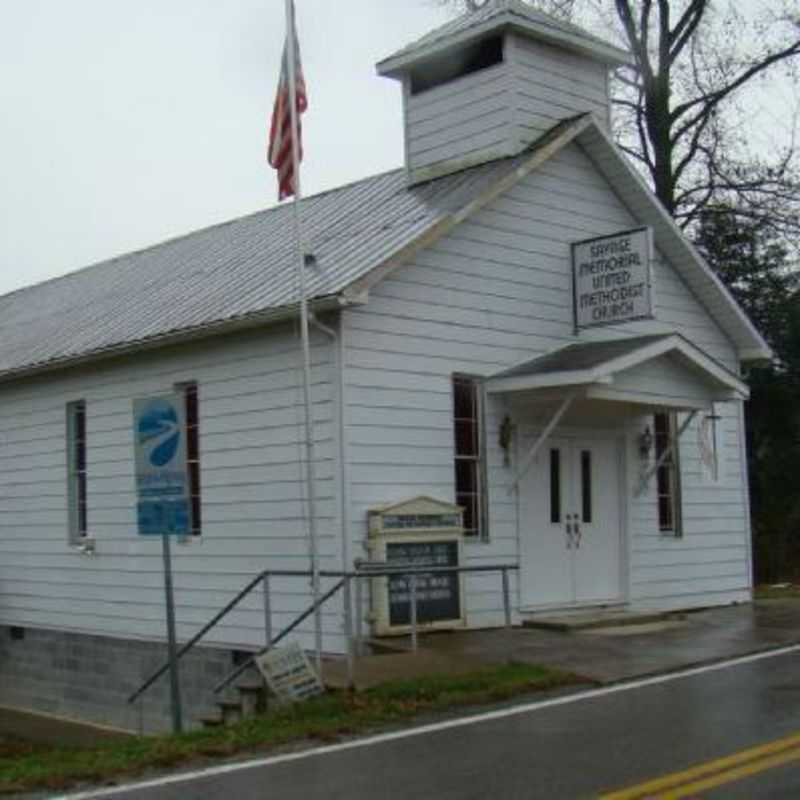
{"points": [[778, 591], [326, 718], [11, 747]]}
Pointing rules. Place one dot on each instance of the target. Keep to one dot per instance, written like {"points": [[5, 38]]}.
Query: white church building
{"points": [[509, 322]]}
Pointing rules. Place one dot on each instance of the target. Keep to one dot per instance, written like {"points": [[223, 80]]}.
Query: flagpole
{"points": [[301, 279]]}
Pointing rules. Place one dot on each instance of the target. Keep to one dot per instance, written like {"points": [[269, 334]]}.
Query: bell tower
{"points": [[489, 83]]}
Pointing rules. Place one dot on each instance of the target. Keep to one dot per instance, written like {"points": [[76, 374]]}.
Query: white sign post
{"points": [[612, 280], [159, 434]]}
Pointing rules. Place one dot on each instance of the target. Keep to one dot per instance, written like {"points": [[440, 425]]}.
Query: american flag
{"points": [[280, 136]]}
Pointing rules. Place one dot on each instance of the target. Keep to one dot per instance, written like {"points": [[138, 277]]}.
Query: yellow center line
{"points": [[737, 774], [747, 762]]}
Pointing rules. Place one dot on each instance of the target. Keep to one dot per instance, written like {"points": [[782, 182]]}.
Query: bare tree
{"points": [[682, 110]]}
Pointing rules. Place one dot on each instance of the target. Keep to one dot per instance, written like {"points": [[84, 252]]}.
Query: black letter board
{"points": [[438, 595]]}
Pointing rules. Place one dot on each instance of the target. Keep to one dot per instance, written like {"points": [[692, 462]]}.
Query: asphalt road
{"points": [[584, 748]]}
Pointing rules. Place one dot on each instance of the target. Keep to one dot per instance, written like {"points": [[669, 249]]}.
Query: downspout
{"points": [[343, 468]]}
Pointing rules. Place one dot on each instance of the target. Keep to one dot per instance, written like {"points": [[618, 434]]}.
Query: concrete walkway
{"points": [[604, 655]]}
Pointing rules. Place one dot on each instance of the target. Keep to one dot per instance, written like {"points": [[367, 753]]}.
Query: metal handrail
{"points": [[363, 570], [285, 632], [375, 570], [286, 573], [371, 571]]}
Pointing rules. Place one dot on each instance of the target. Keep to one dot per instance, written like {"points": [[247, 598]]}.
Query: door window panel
{"points": [[555, 485], [586, 485]]}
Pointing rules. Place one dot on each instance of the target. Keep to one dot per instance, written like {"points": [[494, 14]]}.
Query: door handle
{"points": [[568, 528], [578, 532]]}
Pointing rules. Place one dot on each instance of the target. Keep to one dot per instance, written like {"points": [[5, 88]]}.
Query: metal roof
{"points": [[588, 363], [243, 272], [580, 356], [498, 14], [227, 272]]}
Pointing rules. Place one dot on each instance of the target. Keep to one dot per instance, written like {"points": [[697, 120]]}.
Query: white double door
{"points": [[570, 536]]}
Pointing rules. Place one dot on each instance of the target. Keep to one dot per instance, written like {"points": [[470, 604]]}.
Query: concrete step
{"points": [[253, 697], [379, 647], [231, 710], [573, 621]]}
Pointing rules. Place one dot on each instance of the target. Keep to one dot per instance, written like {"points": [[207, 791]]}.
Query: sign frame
{"points": [[648, 278], [378, 546]]}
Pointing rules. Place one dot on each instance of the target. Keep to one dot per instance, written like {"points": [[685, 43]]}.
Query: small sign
{"points": [[420, 521], [161, 470], [289, 674], [438, 595], [612, 278]]}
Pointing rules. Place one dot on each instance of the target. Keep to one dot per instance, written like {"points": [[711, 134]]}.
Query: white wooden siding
{"points": [[709, 562], [494, 292], [465, 121], [251, 444], [500, 110], [663, 377], [551, 84]]}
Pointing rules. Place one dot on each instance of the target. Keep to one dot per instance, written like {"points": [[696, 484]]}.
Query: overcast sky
{"points": [[124, 123]]}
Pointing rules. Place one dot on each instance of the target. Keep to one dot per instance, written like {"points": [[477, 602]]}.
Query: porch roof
{"points": [[615, 370]]}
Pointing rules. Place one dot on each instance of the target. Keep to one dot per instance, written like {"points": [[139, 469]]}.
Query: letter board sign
{"points": [[161, 473], [611, 278], [438, 594]]}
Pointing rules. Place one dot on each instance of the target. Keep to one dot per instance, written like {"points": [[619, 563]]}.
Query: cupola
{"points": [[489, 83]]}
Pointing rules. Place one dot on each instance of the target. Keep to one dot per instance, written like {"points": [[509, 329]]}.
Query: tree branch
{"points": [[713, 99], [682, 33]]}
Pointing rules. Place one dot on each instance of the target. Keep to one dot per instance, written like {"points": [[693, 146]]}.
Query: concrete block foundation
{"points": [[89, 678]]}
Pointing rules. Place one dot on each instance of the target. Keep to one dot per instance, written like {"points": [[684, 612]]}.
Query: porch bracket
{"points": [[645, 479], [543, 437]]}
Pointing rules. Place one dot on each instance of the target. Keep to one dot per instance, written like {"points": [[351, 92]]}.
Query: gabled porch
{"points": [[584, 450]]}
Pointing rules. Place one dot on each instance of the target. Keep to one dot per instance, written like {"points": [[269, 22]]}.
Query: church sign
{"points": [[612, 279]]}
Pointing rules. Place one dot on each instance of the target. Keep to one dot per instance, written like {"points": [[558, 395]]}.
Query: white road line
{"points": [[421, 730]]}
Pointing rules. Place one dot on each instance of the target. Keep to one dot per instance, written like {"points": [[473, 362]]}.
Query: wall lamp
{"points": [[645, 443], [504, 439]]}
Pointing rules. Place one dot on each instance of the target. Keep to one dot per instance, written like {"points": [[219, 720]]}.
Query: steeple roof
{"points": [[499, 15]]}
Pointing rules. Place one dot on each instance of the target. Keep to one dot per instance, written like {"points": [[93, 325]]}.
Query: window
{"points": [[76, 471], [469, 474], [191, 410], [668, 481]]}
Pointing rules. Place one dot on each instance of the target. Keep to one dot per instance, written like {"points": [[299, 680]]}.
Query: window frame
{"points": [[190, 394], [668, 474], [478, 459], [77, 473]]}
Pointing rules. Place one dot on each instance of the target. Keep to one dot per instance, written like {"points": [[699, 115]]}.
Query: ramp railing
{"points": [[345, 582]]}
